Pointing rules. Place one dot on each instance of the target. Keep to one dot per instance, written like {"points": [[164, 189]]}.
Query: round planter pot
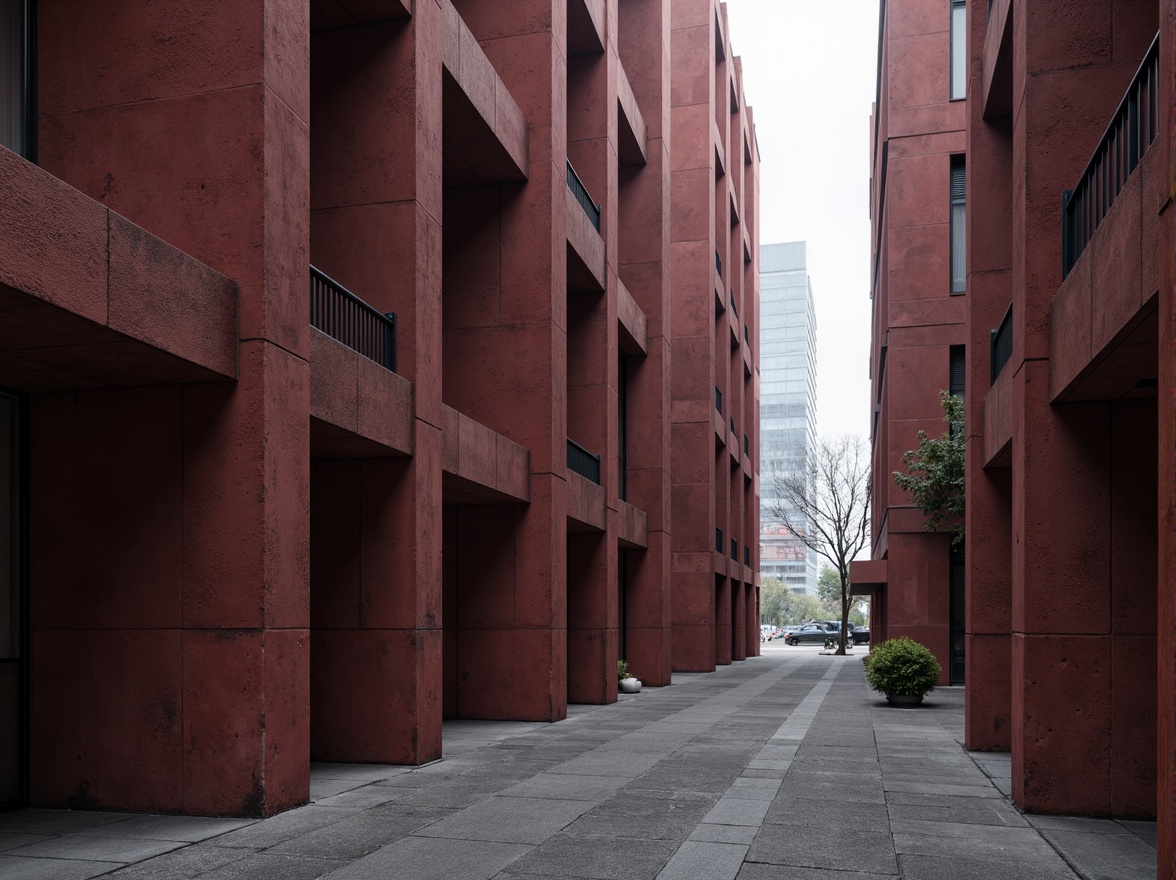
{"points": [[904, 700], [630, 685]]}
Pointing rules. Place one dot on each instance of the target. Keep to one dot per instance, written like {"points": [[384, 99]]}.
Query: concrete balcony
{"points": [[90, 300]]}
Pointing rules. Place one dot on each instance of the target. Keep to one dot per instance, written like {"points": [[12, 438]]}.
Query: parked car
{"points": [[816, 633]]}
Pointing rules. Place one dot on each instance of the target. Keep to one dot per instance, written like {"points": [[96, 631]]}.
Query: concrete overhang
{"points": [[633, 336], [631, 134], [330, 14], [479, 465], [90, 300], [484, 136], [358, 409], [585, 249], [998, 419], [867, 577], [585, 27], [632, 527], [1104, 325], [997, 73], [586, 505]]}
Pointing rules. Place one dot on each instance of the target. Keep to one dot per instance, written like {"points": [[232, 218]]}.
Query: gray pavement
{"points": [[783, 766]]}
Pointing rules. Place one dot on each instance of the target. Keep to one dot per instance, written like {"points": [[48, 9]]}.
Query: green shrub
{"points": [[902, 667], [622, 670]]}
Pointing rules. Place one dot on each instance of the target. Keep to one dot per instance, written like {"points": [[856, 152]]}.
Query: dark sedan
{"points": [[811, 634]]}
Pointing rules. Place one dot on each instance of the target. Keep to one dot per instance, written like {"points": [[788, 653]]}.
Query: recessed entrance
{"points": [[13, 690]]}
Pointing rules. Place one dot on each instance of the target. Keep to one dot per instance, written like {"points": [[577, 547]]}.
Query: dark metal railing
{"points": [[718, 400], [583, 462], [718, 264], [1132, 129], [718, 540], [591, 208], [348, 319], [1000, 346]]}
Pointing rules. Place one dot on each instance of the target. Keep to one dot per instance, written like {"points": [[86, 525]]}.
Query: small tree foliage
{"points": [[935, 474], [780, 605]]}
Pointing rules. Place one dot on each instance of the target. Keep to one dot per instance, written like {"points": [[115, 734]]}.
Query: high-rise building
{"points": [[348, 381], [788, 405]]}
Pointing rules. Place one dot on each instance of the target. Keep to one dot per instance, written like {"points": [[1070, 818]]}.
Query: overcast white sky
{"points": [[809, 69]]}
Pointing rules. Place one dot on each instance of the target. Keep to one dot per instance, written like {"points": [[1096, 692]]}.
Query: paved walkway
{"points": [[784, 766]]}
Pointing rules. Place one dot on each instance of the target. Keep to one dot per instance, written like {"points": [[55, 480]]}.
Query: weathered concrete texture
{"points": [[519, 800]]}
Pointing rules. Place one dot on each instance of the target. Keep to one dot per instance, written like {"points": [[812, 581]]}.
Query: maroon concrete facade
{"points": [[1068, 585], [249, 545], [918, 132], [715, 381]]}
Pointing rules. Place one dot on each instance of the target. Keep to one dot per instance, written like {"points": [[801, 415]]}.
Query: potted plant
{"points": [[903, 670], [625, 682]]}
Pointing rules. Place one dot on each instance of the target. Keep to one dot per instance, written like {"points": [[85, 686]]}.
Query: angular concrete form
{"points": [[1066, 336], [337, 375]]}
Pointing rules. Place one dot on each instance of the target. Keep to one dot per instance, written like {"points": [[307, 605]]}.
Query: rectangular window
{"points": [[959, 239], [15, 76], [959, 49], [958, 371]]}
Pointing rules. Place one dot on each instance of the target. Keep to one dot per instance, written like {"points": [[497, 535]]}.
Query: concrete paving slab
{"points": [[9, 840], [1028, 855], [695, 859], [651, 818], [921, 867], [738, 811], [358, 835], [740, 834], [188, 829], [283, 827], [56, 821], [182, 864], [1121, 856], [364, 797], [597, 858], [509, 820], [1145, 831], [106, 848], [955, 812], [420, 857], [843, 814], [18, 868], [752, 871], [837, 849], [269, 866], [562, 786], [976, 791]]}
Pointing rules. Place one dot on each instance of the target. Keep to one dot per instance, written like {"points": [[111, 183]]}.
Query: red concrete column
{"points": [[375, 607], [1166, 580], [194, 129], [505, 365], [738, 621], [643, 264], [1064, 512], [692, 327], [592, 616], [376, 533]]}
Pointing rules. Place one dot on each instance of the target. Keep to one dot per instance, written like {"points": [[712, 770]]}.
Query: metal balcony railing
{"points": [[718, 540], [591, 208], [1132, 129], [348, 319], [1000, 346], [583, 462]]}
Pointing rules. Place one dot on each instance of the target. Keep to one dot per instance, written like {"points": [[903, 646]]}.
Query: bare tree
{"points": [[826, 505]]}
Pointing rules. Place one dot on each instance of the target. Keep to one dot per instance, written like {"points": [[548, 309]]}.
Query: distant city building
{"points": [[788, 402]]}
